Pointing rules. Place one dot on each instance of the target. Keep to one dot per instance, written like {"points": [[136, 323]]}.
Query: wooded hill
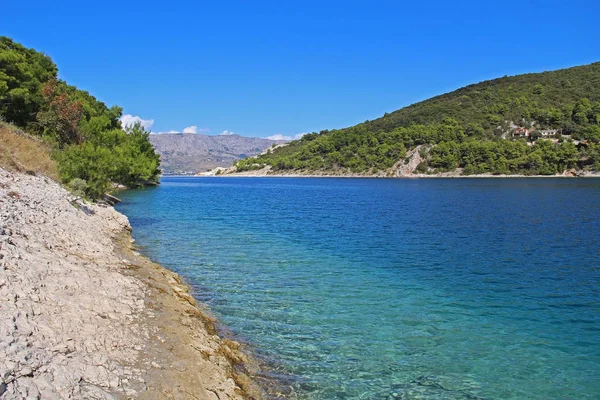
{"points": [[85, 136], [470, 128]]}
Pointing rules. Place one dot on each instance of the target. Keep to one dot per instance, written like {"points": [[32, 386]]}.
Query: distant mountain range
{"points": [[186, 153]]}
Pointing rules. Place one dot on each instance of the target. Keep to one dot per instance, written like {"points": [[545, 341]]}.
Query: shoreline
{"points": [[392, 173], [402, 177], [179, 318], [84, 315], [246, 370]]}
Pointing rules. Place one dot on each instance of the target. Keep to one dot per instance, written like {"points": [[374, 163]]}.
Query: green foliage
{"points": [[248, 164], [60, 115], [509, 98], [505, 157], [592, 156], [355, 151], [23, 72], [117, 156], [87, 162], [93, 151], [78, 187], [591, 133], [136, 162], [468, 128]]}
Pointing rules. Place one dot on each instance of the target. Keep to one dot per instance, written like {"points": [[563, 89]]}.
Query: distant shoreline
{"points": [[412, 176], [391, 173]]}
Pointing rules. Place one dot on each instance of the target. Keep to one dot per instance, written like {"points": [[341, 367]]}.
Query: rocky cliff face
{"points": [[182, 153]]}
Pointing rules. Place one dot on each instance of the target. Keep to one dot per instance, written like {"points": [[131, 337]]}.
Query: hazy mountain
{"points": [[183, 153]]}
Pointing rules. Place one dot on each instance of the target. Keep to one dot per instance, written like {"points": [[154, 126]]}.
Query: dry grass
{"points": [[22, 153]]}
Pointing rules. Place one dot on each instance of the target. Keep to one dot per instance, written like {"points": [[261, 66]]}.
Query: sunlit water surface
{"points": [[409, 289]]}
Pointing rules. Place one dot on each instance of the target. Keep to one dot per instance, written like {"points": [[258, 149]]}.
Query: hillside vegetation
{"points": [[470, 128], [85, 136]]}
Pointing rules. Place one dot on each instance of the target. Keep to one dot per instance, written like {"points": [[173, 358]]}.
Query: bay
{"points": [[387, 288]]}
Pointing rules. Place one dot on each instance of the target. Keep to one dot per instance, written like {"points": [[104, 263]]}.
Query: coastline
{"points": [[399, 171], [445, 175], [185, 326], [83, 315]]}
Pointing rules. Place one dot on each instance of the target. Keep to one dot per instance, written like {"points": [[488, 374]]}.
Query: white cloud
{"points": [[225, 133], [279, 136], [190, 129], [130, 120], [160, 133]]}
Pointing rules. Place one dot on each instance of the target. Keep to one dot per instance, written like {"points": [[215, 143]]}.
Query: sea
{"points": [[392, 288]]}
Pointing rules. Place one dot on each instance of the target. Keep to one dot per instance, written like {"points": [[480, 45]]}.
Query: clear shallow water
{"points": [[375, 289]]}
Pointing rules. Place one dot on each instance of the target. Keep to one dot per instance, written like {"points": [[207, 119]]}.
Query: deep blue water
{"points": [[375, 289]]}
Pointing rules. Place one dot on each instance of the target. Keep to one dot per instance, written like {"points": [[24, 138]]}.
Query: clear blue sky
{"points": [[265, 68]]}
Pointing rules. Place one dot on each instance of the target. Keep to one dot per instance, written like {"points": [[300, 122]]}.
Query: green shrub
{"points": [[78, 187]]}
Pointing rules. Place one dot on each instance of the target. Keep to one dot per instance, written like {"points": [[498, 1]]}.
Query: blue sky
{"points": [[265, 68]]}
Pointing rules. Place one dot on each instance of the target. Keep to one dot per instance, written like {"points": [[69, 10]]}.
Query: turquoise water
{"points": [[382, 289]]}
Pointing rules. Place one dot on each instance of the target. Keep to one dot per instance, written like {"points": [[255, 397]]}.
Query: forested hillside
{"points": [[471, 128], [91, 148]]}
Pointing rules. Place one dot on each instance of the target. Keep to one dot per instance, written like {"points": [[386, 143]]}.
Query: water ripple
{"points": [[393, 289]]}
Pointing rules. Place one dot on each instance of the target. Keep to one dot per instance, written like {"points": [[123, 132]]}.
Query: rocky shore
{"points": [[404, 168], [83, 316], [267, 172]]}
